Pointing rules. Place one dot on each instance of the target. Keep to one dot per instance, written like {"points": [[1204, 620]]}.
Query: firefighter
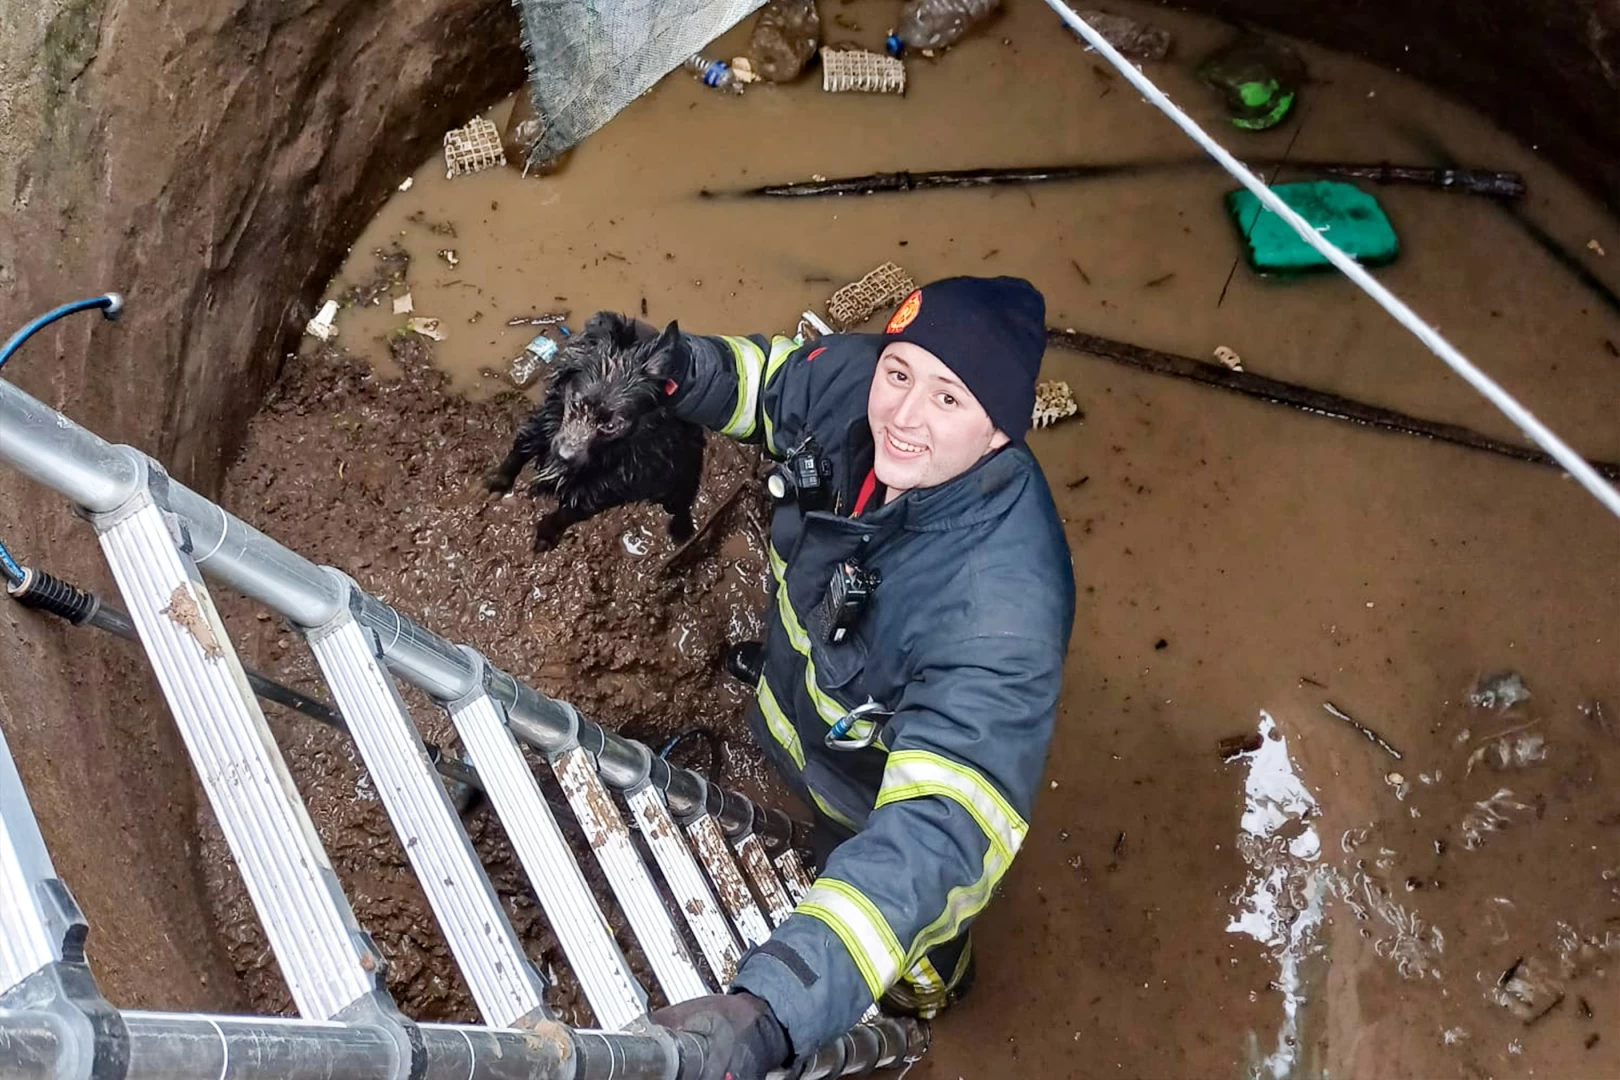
{"points": [[922, 602]]}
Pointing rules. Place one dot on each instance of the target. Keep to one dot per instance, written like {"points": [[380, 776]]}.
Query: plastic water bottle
{"points": [[536, 354], [715, 73], [934, 24]]}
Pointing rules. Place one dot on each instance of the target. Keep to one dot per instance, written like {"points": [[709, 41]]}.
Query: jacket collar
{"points": [[984, 493]]}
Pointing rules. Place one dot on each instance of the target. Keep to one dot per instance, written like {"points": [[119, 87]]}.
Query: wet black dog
{"points": [[604, 435]]}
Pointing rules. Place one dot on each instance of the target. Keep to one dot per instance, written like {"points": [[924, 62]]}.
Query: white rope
{"points": [[1522, 417]]}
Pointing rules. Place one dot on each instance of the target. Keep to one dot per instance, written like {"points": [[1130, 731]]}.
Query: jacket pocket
{"points": [[839, 665]]}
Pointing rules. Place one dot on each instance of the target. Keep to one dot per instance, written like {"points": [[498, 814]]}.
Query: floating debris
{"points": [[785, 37], [473, 148], [1515, 748], [525, 127], [1228, 358], [428, 328], [550, 318], [1499, 692], [1235, 746], [859, 300], [405, 184], [1488, 816], [636, 542], [1597, 716], [1054, 401], [321, 325], [1594, 246], [1134, 40], [1366, 732], [1259, 79], [449, 256], [846, 71], [1412, 944], [1581, 954], [404, 305], [1528, 990]]}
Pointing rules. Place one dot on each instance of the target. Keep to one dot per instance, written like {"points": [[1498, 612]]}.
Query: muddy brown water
{"points": [[1233, 559]]}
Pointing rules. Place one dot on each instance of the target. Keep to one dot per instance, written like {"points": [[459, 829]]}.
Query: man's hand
{"points": [[743, 1036]]}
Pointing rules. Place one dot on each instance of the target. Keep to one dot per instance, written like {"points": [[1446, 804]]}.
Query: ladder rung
{"points": [[710, 844], [566, 899], [789, 865], [751, 851], [504, 984], [638, 897], [33, 928], [326, 959], [686, 882]]}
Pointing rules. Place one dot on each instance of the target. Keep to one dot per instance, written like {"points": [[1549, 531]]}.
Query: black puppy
{"points": [[604, 435]]}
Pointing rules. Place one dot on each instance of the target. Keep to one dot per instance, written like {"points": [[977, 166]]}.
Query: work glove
{"points": [[744, 1039]]}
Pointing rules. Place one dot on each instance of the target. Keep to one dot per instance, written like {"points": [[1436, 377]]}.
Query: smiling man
{"points": [[921, 608]]}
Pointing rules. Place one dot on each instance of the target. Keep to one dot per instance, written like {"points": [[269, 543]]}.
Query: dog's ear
{"points": [[608, 326], [663, 356]]}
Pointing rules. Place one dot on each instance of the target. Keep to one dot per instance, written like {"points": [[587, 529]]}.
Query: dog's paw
{"points": [[498, 481]]}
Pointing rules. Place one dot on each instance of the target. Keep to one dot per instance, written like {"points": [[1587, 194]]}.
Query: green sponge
{"points": [[1346, 217]]}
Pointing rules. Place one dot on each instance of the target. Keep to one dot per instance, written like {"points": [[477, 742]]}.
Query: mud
{"points": [[380, 477]]}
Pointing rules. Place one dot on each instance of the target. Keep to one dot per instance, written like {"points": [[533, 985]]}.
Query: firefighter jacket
{"points": [[956, 661]]}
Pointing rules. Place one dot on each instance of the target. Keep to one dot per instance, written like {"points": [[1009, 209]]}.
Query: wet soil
{"points": [[380, 478], [1232, 557]]}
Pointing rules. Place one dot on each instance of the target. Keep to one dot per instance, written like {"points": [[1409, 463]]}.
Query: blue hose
{"points": [[111, 305]]}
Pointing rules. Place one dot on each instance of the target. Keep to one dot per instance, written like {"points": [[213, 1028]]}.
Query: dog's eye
{"points": [[612, 425]]}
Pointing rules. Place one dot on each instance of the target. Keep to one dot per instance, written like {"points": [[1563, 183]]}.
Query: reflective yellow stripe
{"points": [[780, 727], [912, 774], [962, 904], [829, 710], [750, 362], [862, 929], [781, 349], [925, 978], [827, 808]]}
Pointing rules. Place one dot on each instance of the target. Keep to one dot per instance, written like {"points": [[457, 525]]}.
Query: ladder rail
{"points": [[98, 476]]}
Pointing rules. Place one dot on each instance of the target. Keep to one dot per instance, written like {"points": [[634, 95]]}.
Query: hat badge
{"points": [[906, 313]]}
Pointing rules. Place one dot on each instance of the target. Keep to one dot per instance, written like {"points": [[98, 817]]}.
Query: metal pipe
{"points": [[188, 1046], [31, 1045], [45, 446], [100, 477]]}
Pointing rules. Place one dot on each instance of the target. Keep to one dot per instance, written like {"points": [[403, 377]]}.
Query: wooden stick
{"points": [[1366, 732], [1320, 402], [698, 533], [1492, 184]]}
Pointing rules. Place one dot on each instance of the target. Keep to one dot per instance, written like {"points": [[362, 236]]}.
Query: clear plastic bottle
{"points": [[935, 24], [715, 73]]}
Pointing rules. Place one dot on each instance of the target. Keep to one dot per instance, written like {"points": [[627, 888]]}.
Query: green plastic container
{"points": [[1346, 216]]}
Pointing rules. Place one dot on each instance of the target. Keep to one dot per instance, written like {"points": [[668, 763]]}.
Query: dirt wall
{"points": [[212, 160]]}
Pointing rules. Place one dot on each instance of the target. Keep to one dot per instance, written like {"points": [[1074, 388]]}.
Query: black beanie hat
{"points": [[991, 333]]}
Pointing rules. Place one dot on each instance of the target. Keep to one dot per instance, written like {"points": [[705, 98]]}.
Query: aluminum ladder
{"points": [[728, 866]]}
